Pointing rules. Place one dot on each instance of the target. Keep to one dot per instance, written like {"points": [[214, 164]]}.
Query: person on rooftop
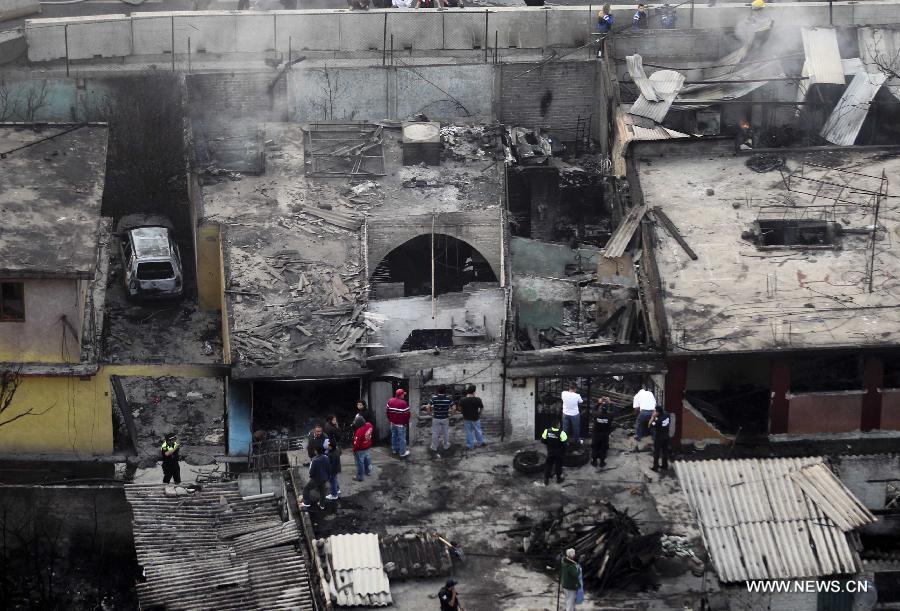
{"points": [[640, 21]]}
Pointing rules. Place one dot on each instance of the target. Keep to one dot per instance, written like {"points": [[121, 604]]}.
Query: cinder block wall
{"points": [[555, 94]]}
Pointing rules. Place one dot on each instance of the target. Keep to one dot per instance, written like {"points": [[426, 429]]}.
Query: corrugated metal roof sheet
{"points": [[411, 555], [823, 58], [710, 93], [666, 84], [358, 573], [848, 116], [636, 72], [759, 523], [832, 497], [213, 550]]}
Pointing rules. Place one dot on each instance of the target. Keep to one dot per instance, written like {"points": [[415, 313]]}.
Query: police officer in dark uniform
{"points": [[659, 425], [169, 452], [602, 427], [556, 441]]}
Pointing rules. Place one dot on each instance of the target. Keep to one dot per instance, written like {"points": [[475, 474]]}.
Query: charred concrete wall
{"points": [[402, 316], [342, 89], [553, 95], [462, 30], [482, 230]]}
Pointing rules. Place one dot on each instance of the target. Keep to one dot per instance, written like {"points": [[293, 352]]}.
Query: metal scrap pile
{"points": [[463, 142], [607, 542]]}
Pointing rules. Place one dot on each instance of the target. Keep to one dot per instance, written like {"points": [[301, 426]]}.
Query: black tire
{"points": [[529, 462], [577, 456]]}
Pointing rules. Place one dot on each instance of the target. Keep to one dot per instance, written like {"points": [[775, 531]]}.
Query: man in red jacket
{"points": [[398, 416], [362, 441]]}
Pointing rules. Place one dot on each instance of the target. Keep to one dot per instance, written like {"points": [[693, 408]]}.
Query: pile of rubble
{"points": [[464, 142], [607, 542], [318, 301]]}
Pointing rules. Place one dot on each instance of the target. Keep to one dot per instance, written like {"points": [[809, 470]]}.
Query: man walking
{"points": [[362, 442], [659, 424], [398, 416], [644, 406], [640, 21], [448, 598], [570, 578], [556, 440], [471, 408], [169, 452], [319, 473], [600, 434], [572, 401], [439, 408]]}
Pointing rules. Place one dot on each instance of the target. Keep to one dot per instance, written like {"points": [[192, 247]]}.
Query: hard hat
{"points": [[758, 4]]}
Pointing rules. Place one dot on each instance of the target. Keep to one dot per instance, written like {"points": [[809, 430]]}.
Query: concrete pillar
{"points": [[676, 380], [873, 382], [781, 385]]}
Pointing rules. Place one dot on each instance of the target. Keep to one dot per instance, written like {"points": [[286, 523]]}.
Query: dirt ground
{"points": [[164, 331], [469, 497], [193, 408]]}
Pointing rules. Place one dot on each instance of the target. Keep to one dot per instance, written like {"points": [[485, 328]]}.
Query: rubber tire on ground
{"points": [[577, 456], [529, 462]]}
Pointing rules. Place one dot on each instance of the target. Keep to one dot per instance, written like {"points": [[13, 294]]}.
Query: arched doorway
{"points": [[406, 271]]}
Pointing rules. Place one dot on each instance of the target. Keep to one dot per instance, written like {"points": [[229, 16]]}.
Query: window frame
{"points": [[3, 317]]}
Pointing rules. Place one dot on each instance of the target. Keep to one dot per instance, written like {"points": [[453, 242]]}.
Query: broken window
{"points": [[794, 233], [12, 301], [827, 373], [426, 339], [155, 270], [407, 270]]}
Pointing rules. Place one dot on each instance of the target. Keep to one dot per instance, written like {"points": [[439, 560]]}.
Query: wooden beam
{"points": [[666, 222]]}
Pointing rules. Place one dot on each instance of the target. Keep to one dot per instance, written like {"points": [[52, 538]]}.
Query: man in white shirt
{"points": [[571, 401], [645, 406]]}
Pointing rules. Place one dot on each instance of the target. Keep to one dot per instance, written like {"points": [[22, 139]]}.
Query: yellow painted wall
{"points": [[210, 281], [79, 419]]}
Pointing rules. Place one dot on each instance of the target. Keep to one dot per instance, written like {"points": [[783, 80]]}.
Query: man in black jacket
{"points": [[602, 427], [315, 439], [556, 440], [319, 474], [659, 426]]}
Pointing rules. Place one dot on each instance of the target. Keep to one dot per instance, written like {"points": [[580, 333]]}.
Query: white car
{"points": [[150, 257]]}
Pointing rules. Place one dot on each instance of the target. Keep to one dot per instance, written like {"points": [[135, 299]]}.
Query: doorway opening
{"points": [[287, 409]]}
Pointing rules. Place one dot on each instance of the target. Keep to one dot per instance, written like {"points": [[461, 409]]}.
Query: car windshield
{"points": [[156, 270]]}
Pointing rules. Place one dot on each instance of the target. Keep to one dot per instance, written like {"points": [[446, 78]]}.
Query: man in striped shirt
{"points": [[439, 407]]}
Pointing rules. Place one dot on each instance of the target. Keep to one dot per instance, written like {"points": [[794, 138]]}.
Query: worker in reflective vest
{"points": [[556, 441], [169, 451]]}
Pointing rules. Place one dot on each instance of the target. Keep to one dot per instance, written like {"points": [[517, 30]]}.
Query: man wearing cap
{"points": [[448, 598], [570, 578], [169, 451], [398, 416]]}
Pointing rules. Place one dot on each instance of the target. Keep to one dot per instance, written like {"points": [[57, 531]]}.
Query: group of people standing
{"points": [[324, 450], [324, 441], [651, 418]]}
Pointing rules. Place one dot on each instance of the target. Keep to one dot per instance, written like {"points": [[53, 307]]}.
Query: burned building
{"points": [[53, 262]]}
